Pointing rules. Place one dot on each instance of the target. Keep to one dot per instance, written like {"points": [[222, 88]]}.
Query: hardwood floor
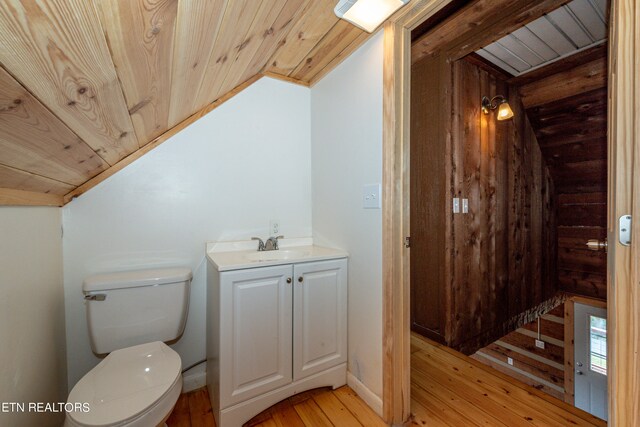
{"points": [[447, 389], [450, 389], [315, 408]]}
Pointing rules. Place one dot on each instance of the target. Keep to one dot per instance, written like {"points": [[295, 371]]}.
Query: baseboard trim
{"points": [[194, 378], [369, 397]]}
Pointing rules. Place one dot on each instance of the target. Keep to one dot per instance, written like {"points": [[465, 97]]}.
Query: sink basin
{"points": [[278, 255]]}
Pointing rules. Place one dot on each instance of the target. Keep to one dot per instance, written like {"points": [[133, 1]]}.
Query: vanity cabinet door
{"points": [[255, 332], [320, 316]]}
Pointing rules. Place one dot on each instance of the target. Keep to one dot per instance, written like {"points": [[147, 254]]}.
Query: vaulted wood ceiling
{"points": [[88, 85]]}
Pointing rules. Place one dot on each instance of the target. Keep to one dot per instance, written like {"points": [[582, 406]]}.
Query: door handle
{"points": [[579, 372], [597, 245]]}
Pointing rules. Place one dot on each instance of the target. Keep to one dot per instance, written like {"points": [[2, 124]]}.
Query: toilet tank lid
{"points": [[135, 279]]}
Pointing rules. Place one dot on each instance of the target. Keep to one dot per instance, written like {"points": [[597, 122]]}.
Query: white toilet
{"points": [[130, 315]]}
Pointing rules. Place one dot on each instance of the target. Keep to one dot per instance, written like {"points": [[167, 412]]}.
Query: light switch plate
{"points": [[371, 196], [510, 361], [456, 205], [465, 206]]}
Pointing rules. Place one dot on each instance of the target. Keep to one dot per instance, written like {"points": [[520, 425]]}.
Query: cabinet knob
{"points": [[288, 279], [300, 279]]}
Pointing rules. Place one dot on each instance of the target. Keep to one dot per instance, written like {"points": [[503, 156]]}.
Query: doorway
{"points": [[590, 359], [508, 185], [623, 301]]}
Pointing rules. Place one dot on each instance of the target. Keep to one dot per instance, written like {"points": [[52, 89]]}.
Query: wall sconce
{"points": [[499, 102], [367, 14]]}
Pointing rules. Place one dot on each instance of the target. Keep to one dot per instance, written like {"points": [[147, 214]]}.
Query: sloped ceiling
{"points": [[576, 26], [85, 84]]}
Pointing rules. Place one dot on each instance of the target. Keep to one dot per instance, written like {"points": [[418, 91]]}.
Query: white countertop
{"points": [[239, 255]]}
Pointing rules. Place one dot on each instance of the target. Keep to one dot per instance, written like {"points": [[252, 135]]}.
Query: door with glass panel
{"points": [[590, 354]]}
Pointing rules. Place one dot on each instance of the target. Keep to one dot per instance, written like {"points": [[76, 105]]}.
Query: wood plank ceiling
{"points": [[88, 85]]}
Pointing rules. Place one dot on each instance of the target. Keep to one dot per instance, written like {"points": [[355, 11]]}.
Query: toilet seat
{"points": [[133, 386]]}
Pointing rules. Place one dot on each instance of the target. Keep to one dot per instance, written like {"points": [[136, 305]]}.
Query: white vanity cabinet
{"points": [[273, 332]]}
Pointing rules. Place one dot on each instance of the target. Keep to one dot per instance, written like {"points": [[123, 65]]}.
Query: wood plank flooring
{"points": [[447, 389], [450, 389], [320, 407]]}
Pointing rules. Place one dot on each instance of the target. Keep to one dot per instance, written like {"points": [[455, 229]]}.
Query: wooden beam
{"points": [[478, 24], [11, 197], [157, 141], [583, 78], [57, 49]]}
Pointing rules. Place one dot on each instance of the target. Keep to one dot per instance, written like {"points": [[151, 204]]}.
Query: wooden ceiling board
{"points": [[262, 25], [140, 34], [25, 181], [337, 59], [335, 41], [34, 140], [232, 36], [274, 38], [58, 51], [197, 28], [307, 32]]}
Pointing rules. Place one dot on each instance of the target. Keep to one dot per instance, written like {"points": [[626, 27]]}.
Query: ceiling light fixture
{"points": [[500, 102], [367, 14]]}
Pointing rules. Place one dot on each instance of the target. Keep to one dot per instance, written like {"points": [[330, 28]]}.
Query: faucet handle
{"points": [[260, 243]]}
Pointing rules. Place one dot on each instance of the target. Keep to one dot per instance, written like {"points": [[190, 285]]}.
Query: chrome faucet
{"points": [[260, 243], [272, 243]]}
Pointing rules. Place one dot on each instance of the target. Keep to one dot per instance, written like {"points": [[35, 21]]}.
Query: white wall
{"points": [[32, 340], [222, 178], [346, 153]]}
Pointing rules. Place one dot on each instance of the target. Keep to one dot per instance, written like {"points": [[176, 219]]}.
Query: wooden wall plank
{"points": [[11, 197], [34, 140], [25, 181], [306, 33], [140, 35], [232, 38], [59, 52], [197, 28]]}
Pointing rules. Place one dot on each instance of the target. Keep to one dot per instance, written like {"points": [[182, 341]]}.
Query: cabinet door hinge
{"points": [[407, 242]]}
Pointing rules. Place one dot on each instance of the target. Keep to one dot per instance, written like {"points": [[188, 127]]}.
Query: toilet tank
{"points": [[136, 307]]}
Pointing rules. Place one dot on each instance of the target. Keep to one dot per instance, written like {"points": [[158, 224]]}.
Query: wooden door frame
{"points": [[624, 135]]}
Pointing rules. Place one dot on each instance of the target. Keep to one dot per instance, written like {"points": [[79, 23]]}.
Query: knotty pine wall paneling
{"points": [[498, 261]]}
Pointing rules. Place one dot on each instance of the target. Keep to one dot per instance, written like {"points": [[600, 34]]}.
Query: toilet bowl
{"points": [[135, 387], [130, 316]]}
